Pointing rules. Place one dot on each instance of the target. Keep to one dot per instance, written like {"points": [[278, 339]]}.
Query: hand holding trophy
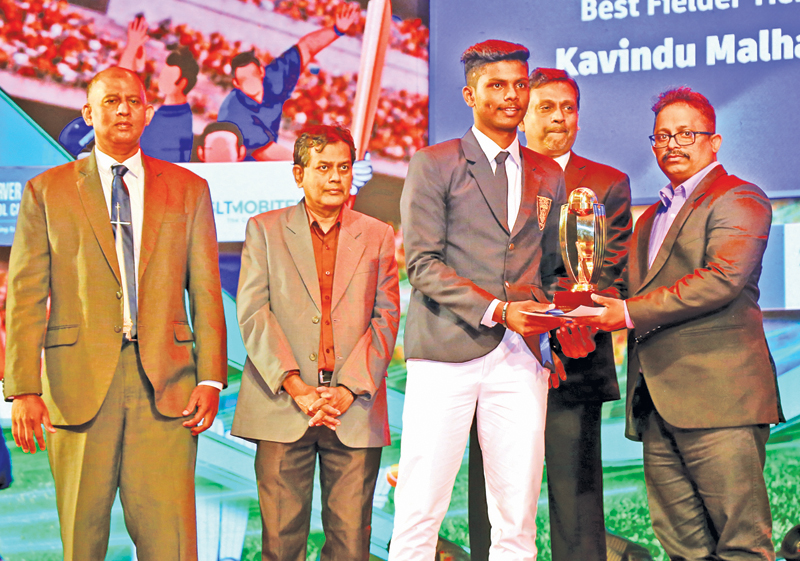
{"points": [[582, 235]]}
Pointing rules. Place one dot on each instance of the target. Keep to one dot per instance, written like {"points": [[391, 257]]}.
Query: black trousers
{"points": [[574, 483]]}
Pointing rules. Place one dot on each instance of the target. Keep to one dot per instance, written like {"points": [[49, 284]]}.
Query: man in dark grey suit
{"points": [[701, 387], [572, 433], [480, 222]]}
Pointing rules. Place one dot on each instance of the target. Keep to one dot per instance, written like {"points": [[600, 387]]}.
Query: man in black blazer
{"points": [[701, 385], [481, 237], [572, 434]]}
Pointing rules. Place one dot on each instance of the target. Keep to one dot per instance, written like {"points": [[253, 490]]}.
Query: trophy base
{"points": [[568, 301]]}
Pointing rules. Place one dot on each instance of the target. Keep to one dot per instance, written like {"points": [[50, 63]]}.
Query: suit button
{"points": [[119, 294], [117, 329], [312, 356], [511, 246], [507, 284], [315, 319]]}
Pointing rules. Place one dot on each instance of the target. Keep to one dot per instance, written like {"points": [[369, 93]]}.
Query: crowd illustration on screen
{"points": [[259, 92]]}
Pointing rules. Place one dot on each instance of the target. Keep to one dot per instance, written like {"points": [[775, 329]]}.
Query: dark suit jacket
{"points": [[460, 254], [594, 378], [279, 310], [64, 248], [699, 339]]}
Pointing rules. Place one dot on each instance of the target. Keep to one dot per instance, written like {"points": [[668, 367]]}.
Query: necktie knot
{"points": [[500, 159], [119, 170]]}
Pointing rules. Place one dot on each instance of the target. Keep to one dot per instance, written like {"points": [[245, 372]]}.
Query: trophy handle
{"points": [[599, 241], [562, 238]]}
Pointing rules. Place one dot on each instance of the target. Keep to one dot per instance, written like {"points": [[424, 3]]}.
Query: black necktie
{"points": [[121, 219]]}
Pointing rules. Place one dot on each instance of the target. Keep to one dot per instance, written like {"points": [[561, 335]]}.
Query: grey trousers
{"points": [[706, 491]]}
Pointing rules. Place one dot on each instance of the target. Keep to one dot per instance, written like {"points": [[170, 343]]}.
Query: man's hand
{"points": [[206, 400], [28, 414], [339, 397], [612, 318], [132, 56], [527, 325], [311, 403], [576, 341], [558, 375], [346, 15]]}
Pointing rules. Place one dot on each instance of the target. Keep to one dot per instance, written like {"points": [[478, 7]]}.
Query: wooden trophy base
{"points": [[568, 301]]}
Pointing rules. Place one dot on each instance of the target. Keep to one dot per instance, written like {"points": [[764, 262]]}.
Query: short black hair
{"points": [[318, 137], [219, 126], [184, 59], [689, 97], [487, 52], [543, 76], [243, 59]]}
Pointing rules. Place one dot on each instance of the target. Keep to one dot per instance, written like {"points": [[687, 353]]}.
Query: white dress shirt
{"points": [[134, 180], [514, 176]]}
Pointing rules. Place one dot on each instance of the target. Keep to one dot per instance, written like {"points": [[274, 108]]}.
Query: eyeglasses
{"points": [[682, 138]]}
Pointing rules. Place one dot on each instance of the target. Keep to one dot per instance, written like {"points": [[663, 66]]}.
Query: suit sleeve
{"points": [[423, 211], [735, 237], [619, 226], [365, 367], [266, 344], [205, 294], [28, 289]]}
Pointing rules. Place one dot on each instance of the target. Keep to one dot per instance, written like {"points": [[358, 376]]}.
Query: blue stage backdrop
{"points": [[744, 55]]}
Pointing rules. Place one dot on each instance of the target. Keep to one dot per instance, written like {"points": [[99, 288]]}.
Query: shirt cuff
{"points": [[211, 383], [487, 315], [628, 320]]}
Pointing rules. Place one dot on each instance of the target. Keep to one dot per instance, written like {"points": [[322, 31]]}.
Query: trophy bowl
{"points": [[582, 236]]}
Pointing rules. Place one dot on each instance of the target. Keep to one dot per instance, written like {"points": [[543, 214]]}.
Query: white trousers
{"points": [[507, 389]]}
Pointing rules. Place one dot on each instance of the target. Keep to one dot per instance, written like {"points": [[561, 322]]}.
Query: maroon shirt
{"points": [[325, 246]]}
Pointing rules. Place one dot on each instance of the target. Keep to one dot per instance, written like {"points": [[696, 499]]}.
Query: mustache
{"points": [[675, 152]]}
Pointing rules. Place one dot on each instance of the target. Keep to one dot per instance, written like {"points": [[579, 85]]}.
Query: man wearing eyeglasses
{"points": [[702, 390]]}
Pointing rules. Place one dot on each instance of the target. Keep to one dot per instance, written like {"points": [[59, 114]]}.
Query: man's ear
{"points": [[86, 113], [241, 152], [297, 171], [716, 142], [182, 83], [469, 95], [148, 114], [201, 153]]}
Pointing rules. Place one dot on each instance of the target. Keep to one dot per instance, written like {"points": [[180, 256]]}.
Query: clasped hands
{"points": [[323, 404]]}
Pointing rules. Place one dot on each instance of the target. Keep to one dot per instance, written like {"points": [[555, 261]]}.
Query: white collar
{"points": [[492, 149]]}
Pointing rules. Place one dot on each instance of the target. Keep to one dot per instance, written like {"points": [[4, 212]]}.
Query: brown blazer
{"points": [[64, 248], [699, 339], [594, 378], [279, 310]]}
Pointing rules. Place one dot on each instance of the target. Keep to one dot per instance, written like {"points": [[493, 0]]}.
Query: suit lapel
{"points": [[675, 229], [155, 202], [639, 249], [574, 172], [93, 200], [530, 190], [479, 168], [348, 254], [298, 241]]}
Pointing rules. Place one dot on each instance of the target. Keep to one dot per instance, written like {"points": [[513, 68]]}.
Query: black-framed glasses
{"points": [[682, 138]]}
